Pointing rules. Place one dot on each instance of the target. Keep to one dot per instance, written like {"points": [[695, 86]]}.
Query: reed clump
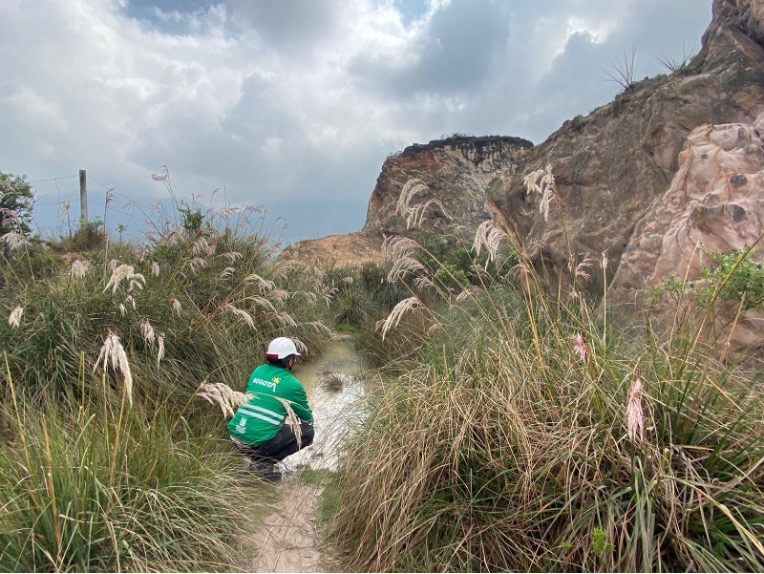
{"points": [[522, 432]]}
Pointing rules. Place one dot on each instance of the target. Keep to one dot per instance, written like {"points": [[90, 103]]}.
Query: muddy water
{"points": [[334, 384]]}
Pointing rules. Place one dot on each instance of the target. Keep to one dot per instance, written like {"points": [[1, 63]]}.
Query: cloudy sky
{"points": [[295, 104]]}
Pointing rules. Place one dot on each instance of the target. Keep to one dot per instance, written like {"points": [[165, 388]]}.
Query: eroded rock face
{"points": [[715, 204], [344, 250], [458, 172], [611, 166]]}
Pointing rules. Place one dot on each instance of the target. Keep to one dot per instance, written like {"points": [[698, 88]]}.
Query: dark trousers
{"points": [[280, 446]]}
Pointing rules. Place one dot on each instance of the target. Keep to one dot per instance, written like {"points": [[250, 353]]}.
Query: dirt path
{"points": [[285, 540]]}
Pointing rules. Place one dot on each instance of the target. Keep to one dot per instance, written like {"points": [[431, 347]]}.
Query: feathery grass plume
{"points": [[12, 239], [542, 181], [320, 328], [582, 270], [280, 295], [397, 313], [79, 268], [232, 256], [147, 331], [14, 319], [414, 214], [635, 422], [122, 309], [400, 250], [222, 395], [409, 190], [113, 353], [285, 319], [434, 328], [155, 269], [402, 266], [125, 273], [113, 264], [227, 272], [263, 302], [292, 420], [488, 236], [396, 246], [468, 293], [264, 285], [197, 262], [579, 347], [241, 313], [175, 306], [202, 247], [422, 282], [417, 215], [301, 347], [160, 348], [309, 295], [522, 274], [347, 280], [131, 300]]}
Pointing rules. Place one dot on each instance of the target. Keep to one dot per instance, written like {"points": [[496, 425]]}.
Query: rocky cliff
{"points": [[458, 173], [613, 166], [671, 166]]}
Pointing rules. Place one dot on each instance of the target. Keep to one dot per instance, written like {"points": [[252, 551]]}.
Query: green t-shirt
{"points": [[258, 419]]}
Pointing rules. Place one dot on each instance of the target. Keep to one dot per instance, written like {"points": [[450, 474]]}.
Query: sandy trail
{"points": [[285, 540]]}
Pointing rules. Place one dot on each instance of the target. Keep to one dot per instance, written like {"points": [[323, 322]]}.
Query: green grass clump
{"points": [[82, 494]]}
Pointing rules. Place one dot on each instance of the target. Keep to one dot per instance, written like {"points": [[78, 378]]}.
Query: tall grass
{"points": [[503, 443], [82, 492], [108, 462]]}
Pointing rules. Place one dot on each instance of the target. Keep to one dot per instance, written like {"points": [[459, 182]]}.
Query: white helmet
{"points": [[280, 348]]}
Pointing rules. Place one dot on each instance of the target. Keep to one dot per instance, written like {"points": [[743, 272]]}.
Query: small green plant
{"points": [[600, 542], [679, 64], [192, 219], [734, 277]]}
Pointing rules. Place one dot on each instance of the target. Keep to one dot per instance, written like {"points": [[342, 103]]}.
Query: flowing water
{"points": [[335, 385]]}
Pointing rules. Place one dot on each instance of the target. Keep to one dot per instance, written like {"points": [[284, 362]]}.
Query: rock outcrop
{"points": [[669, 169], [458, 173], [715, 204], [614, 166]]}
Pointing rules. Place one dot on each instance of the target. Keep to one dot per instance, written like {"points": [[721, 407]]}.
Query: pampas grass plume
{"points": [[14, 319], [113, 353]]}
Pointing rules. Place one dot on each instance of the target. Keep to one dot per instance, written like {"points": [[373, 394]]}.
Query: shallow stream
{"points": [[335, 385]]}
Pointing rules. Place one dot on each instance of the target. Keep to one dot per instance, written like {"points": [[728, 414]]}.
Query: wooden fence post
{"points": [[83, 198]]}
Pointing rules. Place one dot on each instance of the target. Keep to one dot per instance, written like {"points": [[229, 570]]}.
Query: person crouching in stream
{"points": [[275, 420]]}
